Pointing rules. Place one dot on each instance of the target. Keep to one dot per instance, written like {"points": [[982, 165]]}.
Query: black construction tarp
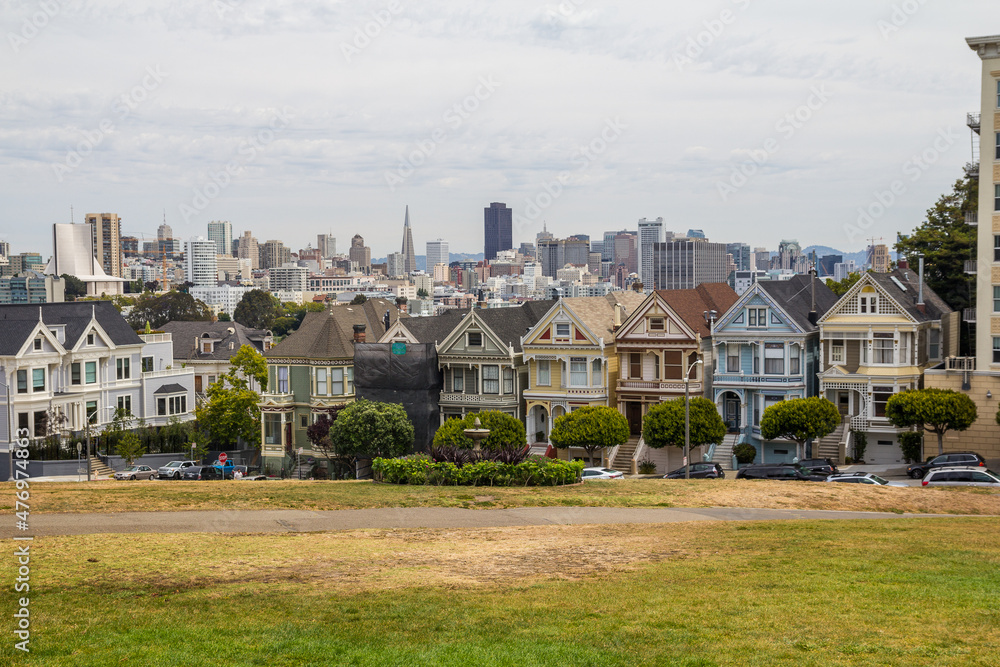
{"points": [[402, 373]]}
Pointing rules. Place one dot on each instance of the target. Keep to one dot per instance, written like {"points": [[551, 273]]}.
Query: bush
{"points": [[504, 430], [461, 456], [647, 467], [860, 445], [745, 453], [421, 469], [911, 443]]}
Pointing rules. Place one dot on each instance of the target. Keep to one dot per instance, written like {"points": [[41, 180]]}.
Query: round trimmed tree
{"points": [[504, 430], [663, 425], [590, 428], [934, 410], [799, 420]]}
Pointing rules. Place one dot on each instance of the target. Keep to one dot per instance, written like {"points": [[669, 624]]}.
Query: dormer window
{"points": [[562, 330], [757, 317], [206, 347], [869, 301], [474, 339], [656, 324]]}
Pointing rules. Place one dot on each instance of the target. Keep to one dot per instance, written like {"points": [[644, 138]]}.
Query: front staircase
{"points": [[828, 447], [724, 452], [302, 471], [623, 458], [99, 469]]}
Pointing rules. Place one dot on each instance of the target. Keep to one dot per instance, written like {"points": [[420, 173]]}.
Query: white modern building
{"points": [[221, 231], [437, 253], [73, 254], [221, 298], [290, 277], [199, 262], [650, 233]]}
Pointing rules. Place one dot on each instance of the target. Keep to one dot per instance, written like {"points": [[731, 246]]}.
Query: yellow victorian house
{"points": [[571, 358]]}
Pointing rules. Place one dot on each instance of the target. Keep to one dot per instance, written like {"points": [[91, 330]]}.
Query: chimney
{"points": [[359, 333], [813, 315], [902, 264], [617, 318], [920, 289]]}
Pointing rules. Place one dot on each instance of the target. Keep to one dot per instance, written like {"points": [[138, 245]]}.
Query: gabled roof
{"points": [[433, 329], [330, 334], [17, 322], [691, 304], [794, 296], [903, 287], [184, 335], [509, 324], [597, 313]]}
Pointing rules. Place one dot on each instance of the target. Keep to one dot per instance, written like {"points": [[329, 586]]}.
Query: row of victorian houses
{"points": [[777, 341]]}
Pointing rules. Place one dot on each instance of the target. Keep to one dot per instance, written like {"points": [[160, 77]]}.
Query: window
{"points": [[349, 379], [998, 94], [38, 344], [304, 421], [545, 375], [123, 368], [508, 380], [125, 403], [92, 412], [635, 365], [996, 299], [996, 246], [491, 379], [732, 358], [22, 381], [996, 197], [282, 379], [147, 364], [90, 372], [880, 396], [458, 380], [272, 428], [206, 347], [882, 348], [772, 400], [321, 386], [595, 373], [475, 339], [998, 146], [672, 368], [757, 317], [934, 344], [756, 365], [904, 348], [774, 358], [577, 372], [836, 351], [794, 363], [22, 421], [337, 381], [656, 324], [171, 405], [37, 379], [40, 421], [74, 373], [91, 337], [869, 301], [562, 330]]}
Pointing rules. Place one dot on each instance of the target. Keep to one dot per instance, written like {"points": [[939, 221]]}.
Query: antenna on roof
{"points": [[71, 214]]}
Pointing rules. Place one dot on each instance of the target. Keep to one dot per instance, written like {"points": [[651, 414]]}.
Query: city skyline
{"points": [[728, 118]]}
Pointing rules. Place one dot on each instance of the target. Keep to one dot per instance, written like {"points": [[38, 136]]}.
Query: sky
{"points": [[755, 120]]}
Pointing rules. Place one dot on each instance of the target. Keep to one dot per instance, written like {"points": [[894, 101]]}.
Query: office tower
{"points": [[626, 245], [437, 253], [687, 263], [360, 253], [275, 254], [498, 230], [827, 263], [608, 249], [4, 249], [248, 248], [650, 233], [878, 258], [544, 235], [395, 265], [221, 231], [408, 252], [106, 231], [327, 245], [741, 255], [696, 234], [164, 232], [761, 259], [199, 262]]}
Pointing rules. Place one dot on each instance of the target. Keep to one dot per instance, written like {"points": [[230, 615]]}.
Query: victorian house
{"points": [[207, 347], [876, 341], [765, 349]]}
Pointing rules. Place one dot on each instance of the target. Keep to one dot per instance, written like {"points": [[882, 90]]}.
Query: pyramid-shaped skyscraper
{"points": [[409, 255]]}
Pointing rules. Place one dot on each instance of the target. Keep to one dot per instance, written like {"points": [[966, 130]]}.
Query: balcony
{"points": [[970, 266], [280, 400], [973, 121], [969, 315], [156, 338], [960, 363], [758, 379], [487, 400], [167, 373], [972, 218], [674, 386]]}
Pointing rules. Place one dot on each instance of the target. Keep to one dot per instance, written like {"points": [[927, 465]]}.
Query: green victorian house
{"points": [[312, 371]]}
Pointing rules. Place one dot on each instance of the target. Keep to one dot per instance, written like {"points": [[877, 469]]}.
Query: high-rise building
{"points": [[687, 263], [221, 231], [408, 252], [199, 262], [289, 277], [761, 259], [878, 258], [650, 233], [741, 255], [395, 265], [437, 253], [360, 253], [4, 249], [275, 254], [106, 231], [498, 229], [827, 264], [249, 249], [164, 232], [327, 245], [626, 252]]}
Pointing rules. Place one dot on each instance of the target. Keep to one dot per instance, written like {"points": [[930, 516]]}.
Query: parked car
{"points": [[820, 466], [861, 478], [602, 473], [136, 472], [229, 467], [962, 476], [779, 471], [918, 470], [201, 472], [174, 469], [698, 471]]}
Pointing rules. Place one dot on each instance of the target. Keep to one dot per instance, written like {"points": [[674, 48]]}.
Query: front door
{"points": [[197, 384], [844, 402], [733, 413], [633, 413]]}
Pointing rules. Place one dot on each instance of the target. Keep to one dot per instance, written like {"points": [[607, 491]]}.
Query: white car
{"points": [[862, 478], [136, 472], [961, 476], [601, 473], [174, 469]]}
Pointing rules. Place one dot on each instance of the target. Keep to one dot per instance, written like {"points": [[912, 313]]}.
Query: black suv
{"points": [[918, 470], [820, 466], [201, 472], [699, 471], [779, 471]]}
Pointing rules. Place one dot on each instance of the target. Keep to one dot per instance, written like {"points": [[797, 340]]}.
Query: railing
{"points": [[156, 338], [972, 218], [969, 315], [970, 266], [759, 379], [167, 372], [281, 399], [960, 363], [859, 423], [656, 385], [459, 397], [973, 121]]}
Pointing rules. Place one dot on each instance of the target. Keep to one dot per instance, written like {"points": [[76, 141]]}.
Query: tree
{"points": [[799, 420], [128, 445], [369, 429], [224, 317], [319, 435], [504, 430], [230, 413], [257, 309], [934, 410], [358, 299], [590, 428], [422, 293], [841, 287], [150, 286], [158, 309], [74, 287], [664, 424]]}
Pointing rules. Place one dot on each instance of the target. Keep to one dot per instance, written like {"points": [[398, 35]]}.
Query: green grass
{"points": [[903, 592]]}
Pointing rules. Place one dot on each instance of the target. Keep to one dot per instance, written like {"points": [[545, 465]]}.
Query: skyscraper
{"points": [[164, 232], [409, 254], [686, 263], [741, 255], [650, 233], [327, 245], [360, 253], [498, 228], [106, 231], [249, 249], [437, 253], [199, 262], [275, 253], [221, 231]]}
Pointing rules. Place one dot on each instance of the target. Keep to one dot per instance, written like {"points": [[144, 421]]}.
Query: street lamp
{"points": [[10, 427], [687, 419]]}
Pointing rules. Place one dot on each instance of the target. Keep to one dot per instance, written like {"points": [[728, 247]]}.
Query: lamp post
{"points": [[10, 427], [687, 419]]}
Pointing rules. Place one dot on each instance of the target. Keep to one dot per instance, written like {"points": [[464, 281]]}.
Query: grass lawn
{"points": [[904, 592], [110, 496]]}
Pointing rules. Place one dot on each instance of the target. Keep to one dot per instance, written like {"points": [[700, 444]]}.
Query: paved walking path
{"points": [[295, 521]]}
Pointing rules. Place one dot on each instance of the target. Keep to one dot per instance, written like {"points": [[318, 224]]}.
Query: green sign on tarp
{"points": [[399, 348]]}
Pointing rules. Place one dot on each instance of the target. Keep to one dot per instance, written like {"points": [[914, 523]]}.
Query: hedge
{"points": [[420, 469]]}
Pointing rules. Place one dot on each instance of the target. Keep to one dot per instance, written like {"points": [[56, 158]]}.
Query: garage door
{"points": [[883, 450]]}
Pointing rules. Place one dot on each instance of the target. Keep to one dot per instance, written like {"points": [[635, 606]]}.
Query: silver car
{"points": [[136, 472], [962, 476], [174, 469], [861, 478]]}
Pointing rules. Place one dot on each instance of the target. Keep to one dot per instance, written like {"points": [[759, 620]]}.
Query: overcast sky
{"points": [[755, 120]]}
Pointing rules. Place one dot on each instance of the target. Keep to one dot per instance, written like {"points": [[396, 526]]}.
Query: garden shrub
{"points": [[745, 453], [421, 469], [647, 467], [860, 445], [910, 442]]}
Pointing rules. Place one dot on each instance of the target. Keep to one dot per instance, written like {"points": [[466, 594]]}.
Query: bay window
{"points": [[577, 372], [774, 358]]}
